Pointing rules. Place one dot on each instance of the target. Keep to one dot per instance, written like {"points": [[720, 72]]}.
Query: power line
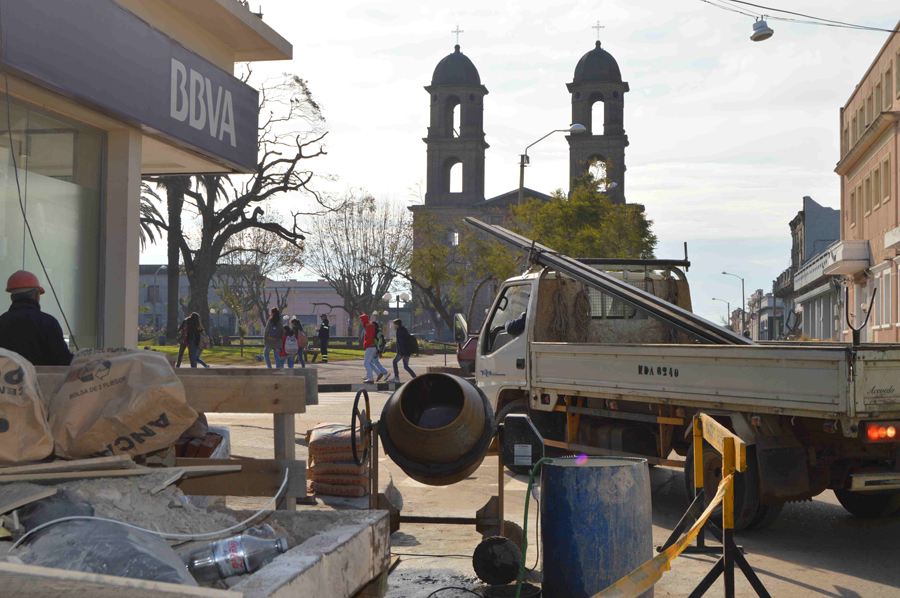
{"points": [[815, 20], [729, 8]]}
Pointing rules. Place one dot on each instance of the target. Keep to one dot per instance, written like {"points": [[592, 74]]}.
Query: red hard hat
{"points": [[22, 280]]}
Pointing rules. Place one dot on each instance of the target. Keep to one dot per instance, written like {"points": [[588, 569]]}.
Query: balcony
{"points": [[813, 271], [784, 284], [845, 257]]}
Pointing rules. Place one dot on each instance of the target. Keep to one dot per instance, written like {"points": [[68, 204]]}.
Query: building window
{"points": [[876, 188], [860, 201], [60, 165], [876, 307], [861, 116], [867, 195], [888, 88], [886, 179], [852, 208], [845, 141], [854, 125], [886, 301], [897, 73], [870, 110], [879, 96]]}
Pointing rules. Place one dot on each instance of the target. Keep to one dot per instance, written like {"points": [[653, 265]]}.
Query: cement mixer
{"points": [[437, 428]]}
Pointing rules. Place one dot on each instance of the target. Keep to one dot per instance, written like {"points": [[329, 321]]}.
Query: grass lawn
{"points": [[232, 355]]}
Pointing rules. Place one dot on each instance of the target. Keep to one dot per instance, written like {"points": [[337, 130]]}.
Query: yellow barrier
{"points": [[644, 577]]}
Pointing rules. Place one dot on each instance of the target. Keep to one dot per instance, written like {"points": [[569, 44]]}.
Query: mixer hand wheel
{"points": [[365, 428]]}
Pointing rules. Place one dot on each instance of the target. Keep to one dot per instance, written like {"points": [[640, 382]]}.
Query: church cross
{"points": [[457, 31], [598, 27]]}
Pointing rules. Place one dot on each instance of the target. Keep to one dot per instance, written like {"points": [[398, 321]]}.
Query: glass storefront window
{"points": [[60, 172]]}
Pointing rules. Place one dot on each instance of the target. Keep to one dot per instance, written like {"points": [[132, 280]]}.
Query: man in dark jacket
{"points": [[403, 350], [27, 330], [324, 335]]}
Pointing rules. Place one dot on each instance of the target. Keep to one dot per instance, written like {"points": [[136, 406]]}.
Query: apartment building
{"points": [[867, 255]]}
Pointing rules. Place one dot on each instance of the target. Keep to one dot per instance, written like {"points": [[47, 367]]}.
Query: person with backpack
{"points": [[406, 346], [324, 335], [302, 342], [273, 337], [182, 341], [195, 334], [289, 346], [370, 345]]}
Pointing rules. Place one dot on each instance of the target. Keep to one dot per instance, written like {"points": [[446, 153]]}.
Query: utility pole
{"points": [[743, 302]]}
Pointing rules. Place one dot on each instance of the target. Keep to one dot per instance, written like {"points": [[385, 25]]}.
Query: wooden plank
{"points": [[99, 464], [715, 434], [220, 393], [20, 495], [262, 477], [52, 478], [26, 581], [599, 452]]}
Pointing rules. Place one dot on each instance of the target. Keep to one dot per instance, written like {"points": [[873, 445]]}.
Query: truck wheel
{"points": [[746, 485], [868, 506], [765, 516], [517, 406]]}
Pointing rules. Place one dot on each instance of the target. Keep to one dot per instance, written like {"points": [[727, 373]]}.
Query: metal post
{"points": [[500, 478], [743, 310], [522, 159], [698, 470]]}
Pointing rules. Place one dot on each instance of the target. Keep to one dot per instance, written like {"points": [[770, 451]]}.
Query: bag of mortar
{"points": [[24, 433], [118, 402]]}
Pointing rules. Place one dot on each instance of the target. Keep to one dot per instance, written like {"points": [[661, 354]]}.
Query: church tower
{"points": [[456, 133], [597, 79]]}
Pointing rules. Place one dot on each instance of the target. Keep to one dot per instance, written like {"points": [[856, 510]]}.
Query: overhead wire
{"points": [[729, 5], [25, 217], [805, 16]]}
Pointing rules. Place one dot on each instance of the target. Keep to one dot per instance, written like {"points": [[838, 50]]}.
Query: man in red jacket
{"points": [[371, 356]]}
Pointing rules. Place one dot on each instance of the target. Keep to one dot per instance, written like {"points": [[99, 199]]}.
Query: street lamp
{"points": [[743, 302], [728, 307], [524, 161], [156, 297]]}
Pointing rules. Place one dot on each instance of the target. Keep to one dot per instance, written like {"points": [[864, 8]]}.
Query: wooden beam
{"points": [[20, 495], [221, 393], [52, 478], [286, 449], [100, 464], [261, 477], [26, 581], [715, 434]]}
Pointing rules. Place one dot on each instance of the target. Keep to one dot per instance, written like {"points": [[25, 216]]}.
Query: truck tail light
{"points": [[882, 432]]}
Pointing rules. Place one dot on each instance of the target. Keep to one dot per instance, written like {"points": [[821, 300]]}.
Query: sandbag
{"points": [[118, 402], [347, 467], [24, 433], [339, 489], [332, 438]]}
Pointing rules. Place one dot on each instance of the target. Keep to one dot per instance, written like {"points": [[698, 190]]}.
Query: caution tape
{"points": [[645, 577]]}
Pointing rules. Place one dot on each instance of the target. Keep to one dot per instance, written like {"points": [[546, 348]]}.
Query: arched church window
{"points": [[598, 117], [455, 125], [456, 178]]}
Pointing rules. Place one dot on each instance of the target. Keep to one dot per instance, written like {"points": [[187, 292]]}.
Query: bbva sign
{"points": [[194, 100]]}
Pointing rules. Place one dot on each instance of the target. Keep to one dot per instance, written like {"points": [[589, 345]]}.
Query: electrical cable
{"points": [[162, 534], [454, 588], [815, 20], [525, 524], [805, 16], [537, 532], [25, 218], [438, 556]]}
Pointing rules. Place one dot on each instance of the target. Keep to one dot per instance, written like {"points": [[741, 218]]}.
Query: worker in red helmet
{"points": [[27, 330]]}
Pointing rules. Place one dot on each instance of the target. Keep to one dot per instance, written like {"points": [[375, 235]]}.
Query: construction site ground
{"points": [[814, 549]]}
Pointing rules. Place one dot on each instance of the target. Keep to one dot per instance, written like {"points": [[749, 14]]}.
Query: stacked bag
{"points": [[111, 402], [332, 469]]}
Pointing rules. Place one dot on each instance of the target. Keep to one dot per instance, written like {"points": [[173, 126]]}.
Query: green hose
{"points": [[525, 524]]}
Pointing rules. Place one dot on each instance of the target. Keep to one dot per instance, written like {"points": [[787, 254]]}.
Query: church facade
{"points": [[456, 146]]}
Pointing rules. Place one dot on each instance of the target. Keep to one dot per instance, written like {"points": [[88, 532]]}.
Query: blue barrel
{"points": [[596, 525]]}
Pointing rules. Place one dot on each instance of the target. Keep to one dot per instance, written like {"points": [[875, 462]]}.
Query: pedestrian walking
{"points": [[324, 335], [370, 361], [302, 342], [404, 349], [182, 341], [289, 346], [193, 338], [26, 330], [273, 336]]}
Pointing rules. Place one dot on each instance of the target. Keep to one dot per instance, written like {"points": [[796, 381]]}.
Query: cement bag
{"points": [[24, 433], [118, 402], [339, 489], [327, 438]]}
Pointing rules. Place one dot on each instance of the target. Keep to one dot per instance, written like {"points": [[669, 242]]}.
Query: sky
{"points": [[726, 135]]}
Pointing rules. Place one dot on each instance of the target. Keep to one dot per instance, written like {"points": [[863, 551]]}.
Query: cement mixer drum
{"points": [[437, 428]]}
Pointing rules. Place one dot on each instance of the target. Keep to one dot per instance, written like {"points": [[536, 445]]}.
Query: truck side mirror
{"points": [[460, 329]]}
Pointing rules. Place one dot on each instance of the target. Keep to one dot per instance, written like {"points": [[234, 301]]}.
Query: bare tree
{"points": [[358, 249], [291, 132]]}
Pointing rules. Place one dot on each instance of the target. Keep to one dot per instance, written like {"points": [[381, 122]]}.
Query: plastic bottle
{"points": [[234, 556]]}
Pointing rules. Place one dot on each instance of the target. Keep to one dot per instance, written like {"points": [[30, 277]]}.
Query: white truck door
{"points": [[503, 347]]}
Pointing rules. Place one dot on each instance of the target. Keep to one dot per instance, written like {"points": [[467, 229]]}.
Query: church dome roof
{"points": [[597, 66], [455, 69]]}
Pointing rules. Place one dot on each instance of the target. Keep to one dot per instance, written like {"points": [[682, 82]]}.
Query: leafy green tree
{"points": [[587, 224]]}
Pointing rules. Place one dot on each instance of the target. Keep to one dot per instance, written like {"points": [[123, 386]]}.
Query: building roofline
{"points": [[871, 66]]}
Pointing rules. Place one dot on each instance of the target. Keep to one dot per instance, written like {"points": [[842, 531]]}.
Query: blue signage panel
{"points": [[98, 52]]}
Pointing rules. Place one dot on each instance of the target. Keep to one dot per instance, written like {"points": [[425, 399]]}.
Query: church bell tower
{"points": [[598, 79], [456, 132]]}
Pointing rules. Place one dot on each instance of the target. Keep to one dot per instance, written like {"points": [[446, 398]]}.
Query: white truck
{"points": [[598, 373]]}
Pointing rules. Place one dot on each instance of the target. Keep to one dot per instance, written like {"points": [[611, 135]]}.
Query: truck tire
{"points": [[869, 506], [765, 516], [746, 485], [517, 406]]}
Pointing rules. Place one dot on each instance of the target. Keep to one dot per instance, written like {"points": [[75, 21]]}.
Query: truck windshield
{"points": [[512, 304]]}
